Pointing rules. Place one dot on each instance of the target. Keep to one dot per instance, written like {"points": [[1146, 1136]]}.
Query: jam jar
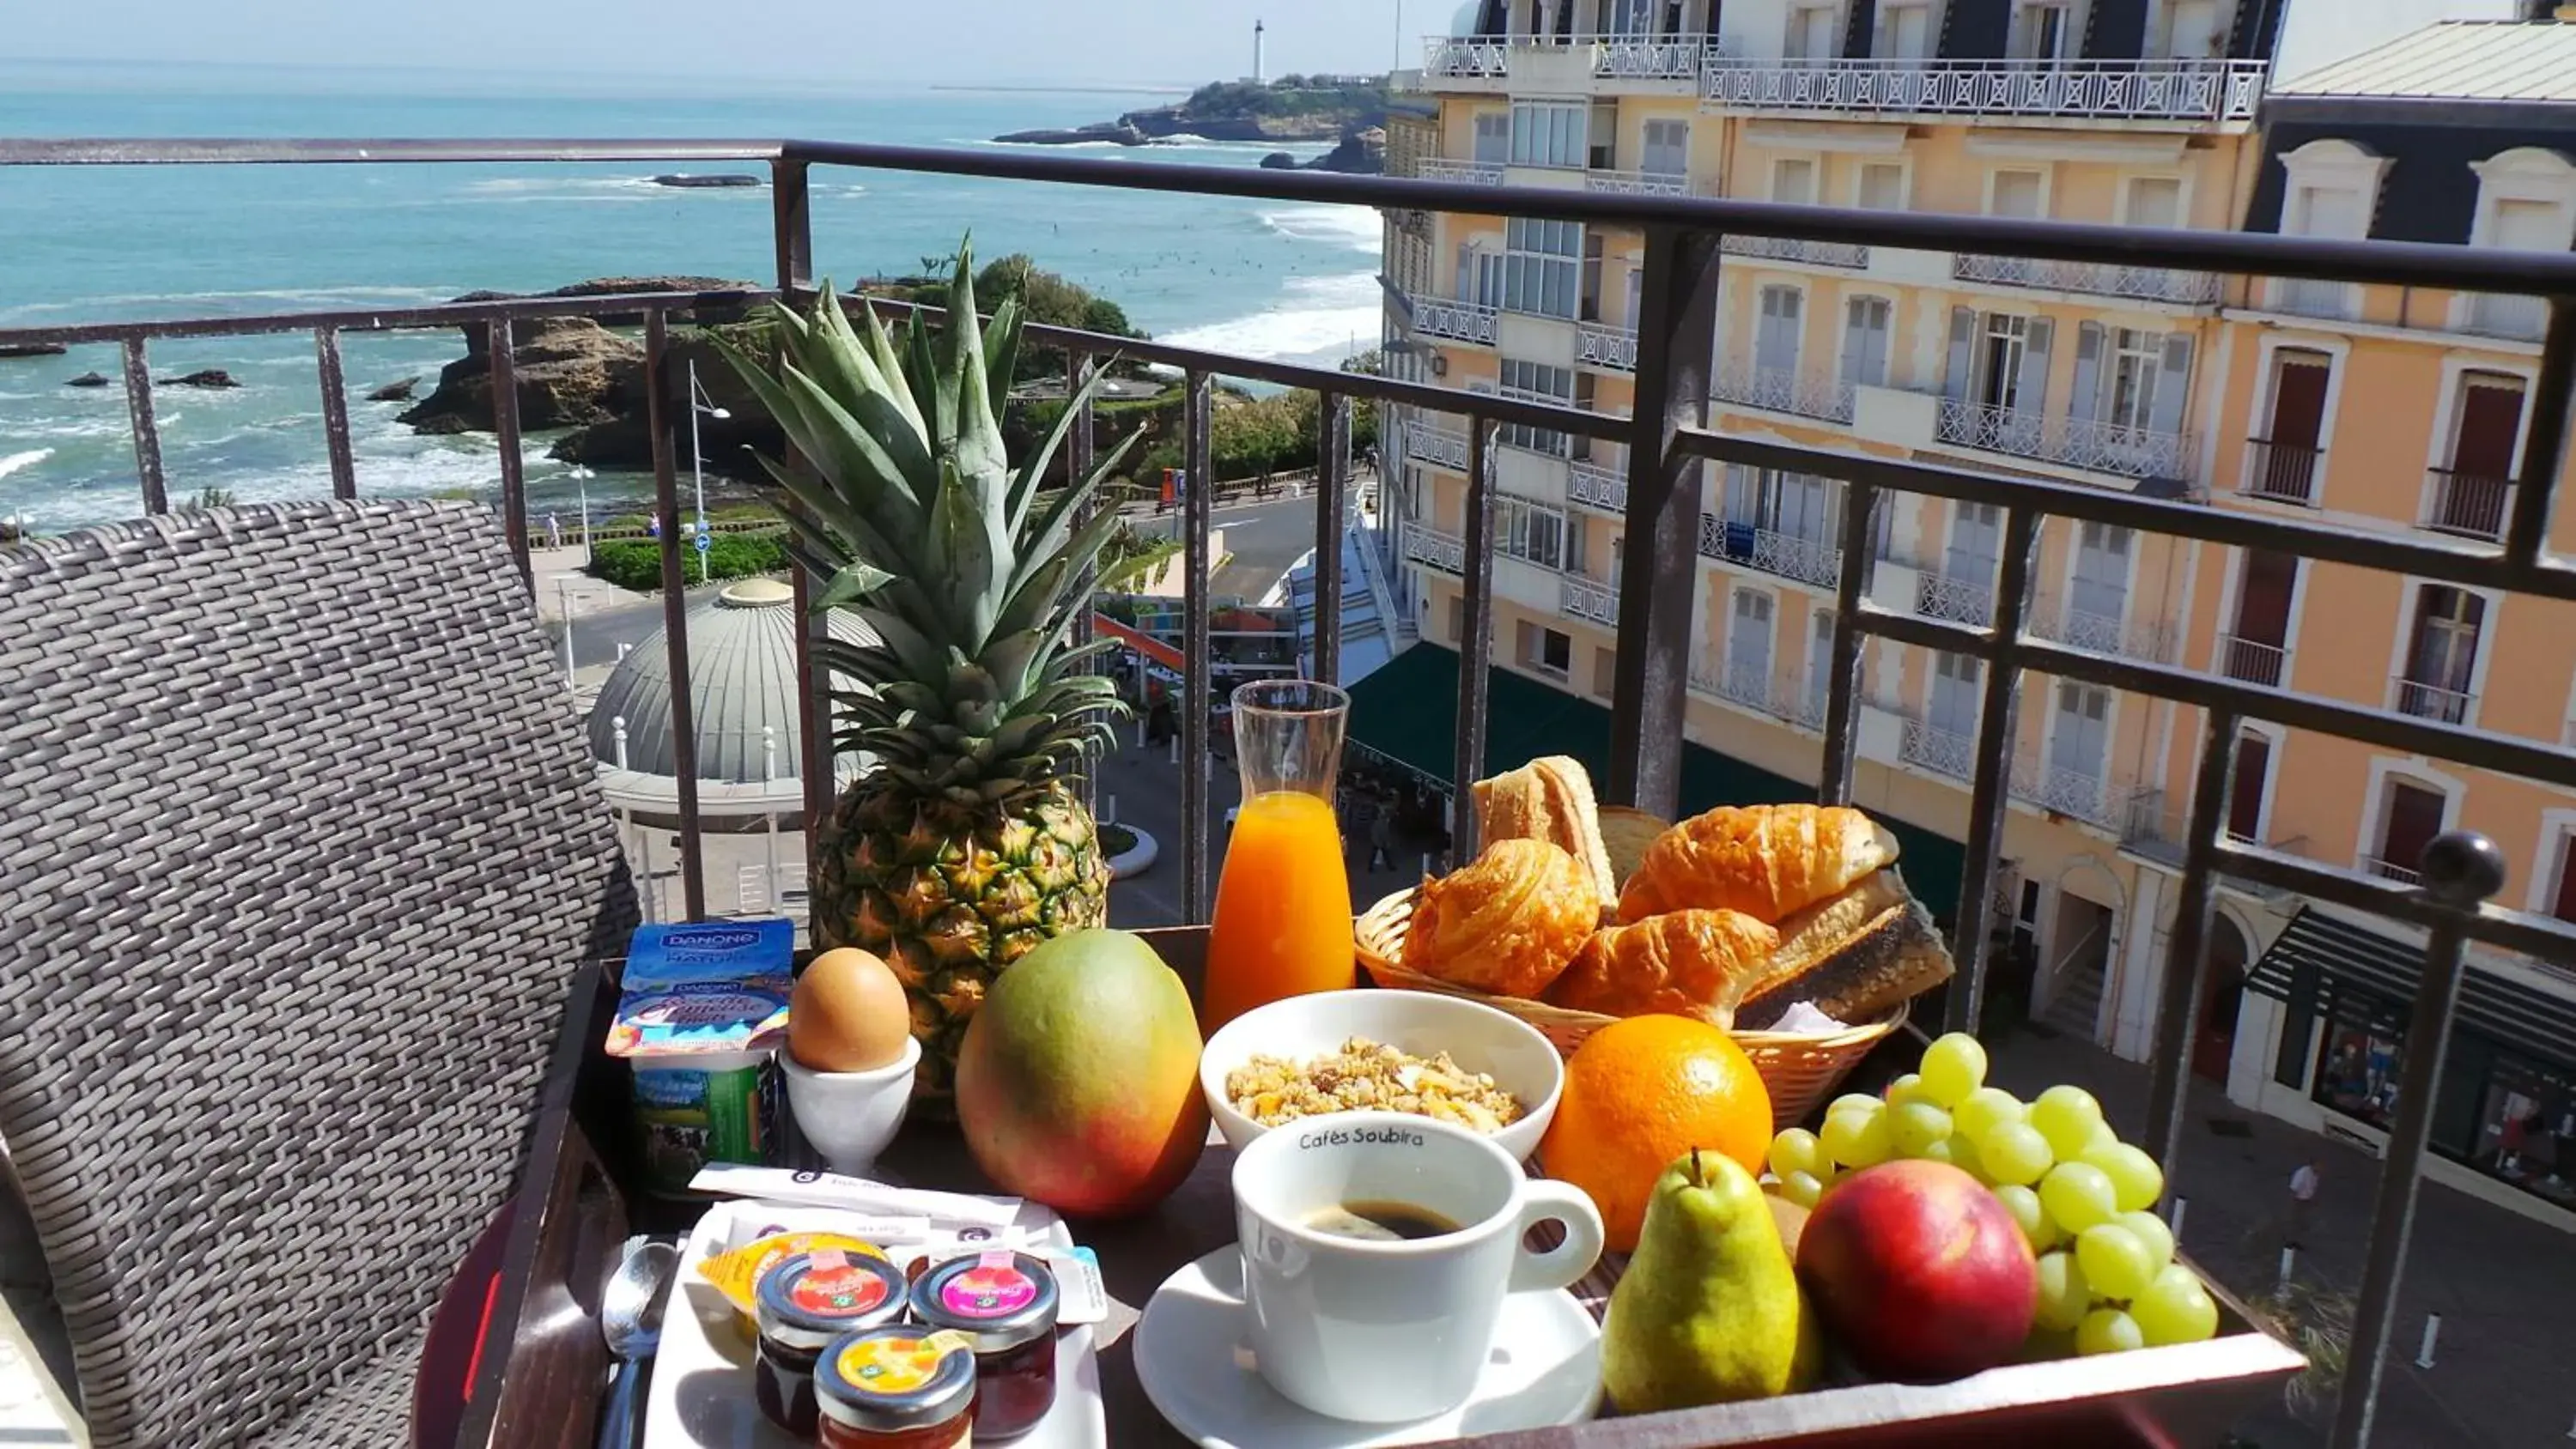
{"points": [[804, 1303], [896, 1387], [1005, 1303]]}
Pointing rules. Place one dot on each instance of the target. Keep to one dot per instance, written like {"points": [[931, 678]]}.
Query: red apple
{"points": [[1920, 1272]]}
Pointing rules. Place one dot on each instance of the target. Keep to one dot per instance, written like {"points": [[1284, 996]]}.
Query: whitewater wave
{"points": [[1320, 319], [323, 296], [1356, 227], [14, 462]]}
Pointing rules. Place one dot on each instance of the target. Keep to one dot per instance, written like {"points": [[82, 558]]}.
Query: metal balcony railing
{"points": [[1647, 57], [1809, 560], [1461, 173], [1466, 58], [1942, 751], [1646, 749], [2191, 92], [1440, 446], [2522, 319], [2315, 297], [1955, 597], [2390, 870], [2062, 621], [2252, 660], [1588, 598], [1602, 345], [1636, 183], [2426, 700], [2137, 284], [1456, 319], [2092, 444], [1781, 390], [1791, 249], [1596, 486], [2466, 503], [2281, 472]]}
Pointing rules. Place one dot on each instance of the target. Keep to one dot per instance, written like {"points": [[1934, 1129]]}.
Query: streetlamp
{"points": [[699, 402], [581, 480]]}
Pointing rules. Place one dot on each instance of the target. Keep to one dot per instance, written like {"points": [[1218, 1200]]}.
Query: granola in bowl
{"points": [[1365, 1075]]}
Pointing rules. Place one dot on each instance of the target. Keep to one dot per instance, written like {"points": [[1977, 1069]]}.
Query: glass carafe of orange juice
{"points": [[1283, 904]]}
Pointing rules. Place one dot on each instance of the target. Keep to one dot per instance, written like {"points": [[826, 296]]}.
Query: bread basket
{"points": [[1800, 1069]]}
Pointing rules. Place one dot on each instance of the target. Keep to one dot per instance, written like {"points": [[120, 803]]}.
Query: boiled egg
{"points": [[848, 1014]]}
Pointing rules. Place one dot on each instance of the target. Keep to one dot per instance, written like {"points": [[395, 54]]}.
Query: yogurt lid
{"points": [[895, 1377], [1001, 1299], [808, 1299]]}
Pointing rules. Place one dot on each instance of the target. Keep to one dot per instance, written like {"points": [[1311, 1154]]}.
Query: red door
{"points": [[2473, 494], [2414, 818], [2245, 798], [2298, 425], [2262, 618], [2215, 1042]]}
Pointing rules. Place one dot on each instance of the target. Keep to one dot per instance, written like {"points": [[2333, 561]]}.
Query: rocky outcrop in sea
{"points": [[572, 372]]}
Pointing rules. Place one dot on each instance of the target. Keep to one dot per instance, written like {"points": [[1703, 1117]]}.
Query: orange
{"points": [[1640, 1093]]}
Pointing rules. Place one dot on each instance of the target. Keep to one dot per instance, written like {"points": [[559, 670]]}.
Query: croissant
{"points": [[1687, 963], [1507, 923], [1548, 799], [1764, 860]]}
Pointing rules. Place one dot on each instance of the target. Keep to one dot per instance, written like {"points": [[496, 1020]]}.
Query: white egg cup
{"points": [[849, 1117]]}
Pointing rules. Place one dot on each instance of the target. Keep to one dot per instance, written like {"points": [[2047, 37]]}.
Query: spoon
{"points": [[630, 1318]]}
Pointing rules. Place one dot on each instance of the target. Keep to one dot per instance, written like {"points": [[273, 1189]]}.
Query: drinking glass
{"points": [[1283, 903]]}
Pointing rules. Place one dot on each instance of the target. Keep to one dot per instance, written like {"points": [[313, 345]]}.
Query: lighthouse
{"points": [[1260, 76]]}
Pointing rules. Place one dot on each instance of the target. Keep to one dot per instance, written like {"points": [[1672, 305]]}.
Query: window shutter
{"points": [[2173, 385], [2087, 402], [2032, 395], [1742, 494], [1855, 339], [1957, 381]]}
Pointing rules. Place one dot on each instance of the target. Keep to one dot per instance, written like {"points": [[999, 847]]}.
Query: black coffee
{"points": [[1382, 1222]]}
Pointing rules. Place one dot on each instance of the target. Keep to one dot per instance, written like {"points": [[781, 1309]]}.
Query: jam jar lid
{"points": [[895, 1376], [808, 1300], [999, 1299]]}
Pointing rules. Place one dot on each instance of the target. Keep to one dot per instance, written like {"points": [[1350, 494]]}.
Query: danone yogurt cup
{"points": [[701, 1013]]}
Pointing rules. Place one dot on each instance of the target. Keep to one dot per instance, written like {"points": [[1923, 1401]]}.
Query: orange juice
{"points": [[1283, 908]]}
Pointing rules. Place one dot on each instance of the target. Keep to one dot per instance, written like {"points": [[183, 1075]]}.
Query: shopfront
{"points": [[2506, 1107]]}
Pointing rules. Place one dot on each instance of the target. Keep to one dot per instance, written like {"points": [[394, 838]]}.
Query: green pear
{"points": [[1709, 1311]]}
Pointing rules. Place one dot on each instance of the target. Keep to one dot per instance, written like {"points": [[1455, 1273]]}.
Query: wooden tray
{"points": [[544, 1364]]}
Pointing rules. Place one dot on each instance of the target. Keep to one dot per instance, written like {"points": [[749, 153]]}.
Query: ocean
{"points": [[82, 244]]}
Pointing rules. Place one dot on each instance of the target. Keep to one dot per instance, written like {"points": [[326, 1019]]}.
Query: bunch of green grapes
{"points": [[2106, 1269]]}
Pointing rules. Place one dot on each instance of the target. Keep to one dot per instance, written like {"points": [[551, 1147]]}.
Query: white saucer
{"points": [[1194, 1358]]}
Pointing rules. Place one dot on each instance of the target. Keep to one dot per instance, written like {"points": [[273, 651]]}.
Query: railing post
{"points": [[1998, 723], [1198, 692], [498, 349], [2544, 454], [147, 433], [2460, 870], [2186, 979], [1650, 694], [1332, 489], [1842, 706], [1475, 641], [792, 238], [335, 412], [791, 226], [675, 607], [1079, 454]]}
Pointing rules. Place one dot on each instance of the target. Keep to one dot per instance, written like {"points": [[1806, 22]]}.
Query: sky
{"points": [[938, 42]]}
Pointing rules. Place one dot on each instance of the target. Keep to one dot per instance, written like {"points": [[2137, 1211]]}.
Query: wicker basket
{"points": [[1800, 1069]]}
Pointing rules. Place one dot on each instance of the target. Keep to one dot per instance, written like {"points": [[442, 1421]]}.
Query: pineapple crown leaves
{"points": [[969, 572]]}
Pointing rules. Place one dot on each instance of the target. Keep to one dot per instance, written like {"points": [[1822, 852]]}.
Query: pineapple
{"points": [[963, 847]]}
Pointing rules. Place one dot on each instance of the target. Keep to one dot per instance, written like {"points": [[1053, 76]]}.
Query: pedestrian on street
{"points": [[2303, 1198], [554, 532], [1381, 837]]}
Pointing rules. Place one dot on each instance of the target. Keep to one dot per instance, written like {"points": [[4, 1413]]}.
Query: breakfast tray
{"points": [[541, 1358]]}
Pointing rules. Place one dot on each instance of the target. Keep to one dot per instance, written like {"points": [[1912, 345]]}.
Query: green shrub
{"points": [[636, 563]]}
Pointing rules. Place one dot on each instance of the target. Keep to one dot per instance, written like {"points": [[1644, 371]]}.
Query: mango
{"points": [[1077, 1081]]}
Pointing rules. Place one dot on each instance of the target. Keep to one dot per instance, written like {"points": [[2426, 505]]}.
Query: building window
{"points": [[2331, 191], [2365, 1051], [1999, 360], [2526, 202], [1777, 334], [1868, 323], [1493, 138], [2044, 30], [2442, 654], [2282, 463], [1542, 265], [2410, 815], [2079, 744], [1748, 649], [1905, 31], [1538, 382], [1814, 33], [1957, 681], [2100, 589], [1549, 133], [1820, 664], [1605, 672], [2018, 194], [2562, 899], [2471, 494], [1667, 148], [2259, 648], [1882, 186], [1793, 180], [1530, 532], [2246, 788], [1544, 650], [2154, 201]]}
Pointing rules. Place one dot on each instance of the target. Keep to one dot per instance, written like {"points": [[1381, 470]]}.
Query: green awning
{"points": [[1406, 713]]}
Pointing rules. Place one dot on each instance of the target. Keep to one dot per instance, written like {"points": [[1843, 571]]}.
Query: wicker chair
{"points": [[299, 849]]}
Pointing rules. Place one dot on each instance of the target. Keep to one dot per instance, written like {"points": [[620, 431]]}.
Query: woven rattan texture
{"points": [[299, 846]]}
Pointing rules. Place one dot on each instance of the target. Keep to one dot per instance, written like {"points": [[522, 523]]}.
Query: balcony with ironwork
{"points": [[2323, 298], [2129, 283], [1455, 319], [1955, 597], [1460, 173], [2516, 319], [1438, 444], [1638, 183], [1793, 249], [1817, 561], [1605, 346], [2469, 504], [2425, 699], [1453, 58], [2185, 94], [2062, 621], [1817, 395], [2196, 1388], [1601, 487], [2281, 472], [2093, 445], [2254, 661], [1583, 597], [1752, 687]]}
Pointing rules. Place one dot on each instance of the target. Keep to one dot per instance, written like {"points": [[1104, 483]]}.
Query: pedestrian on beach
{"points": [[554, 532], [2303, 1198]]}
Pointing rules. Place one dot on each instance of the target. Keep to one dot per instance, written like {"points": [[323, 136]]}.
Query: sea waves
{"points": [[12, 462], [1317, 320]]}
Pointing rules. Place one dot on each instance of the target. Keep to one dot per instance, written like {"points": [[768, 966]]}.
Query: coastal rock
{"points": [[572, 371], [31, 349], [210, 377], [1280, 161], [1361, 153], [623, 441], [1117, 133], [88, 379], [395, 391], [1235, 111], [714, 181]]}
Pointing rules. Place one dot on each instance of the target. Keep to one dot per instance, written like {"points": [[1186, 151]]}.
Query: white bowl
{"points": [[1421, 1023], [849, 1117]]}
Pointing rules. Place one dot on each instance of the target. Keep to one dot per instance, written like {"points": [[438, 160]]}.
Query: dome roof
{"points": [[1464, 23], [742, 684]]}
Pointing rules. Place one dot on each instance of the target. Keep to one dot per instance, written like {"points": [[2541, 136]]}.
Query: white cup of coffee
{"points": [[1377, 1248]]}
